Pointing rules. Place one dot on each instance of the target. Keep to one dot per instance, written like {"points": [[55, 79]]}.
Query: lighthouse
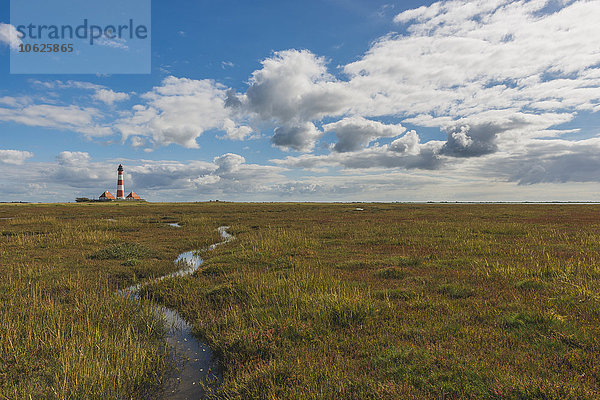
{"points": [[120, 188], [107, 196]]}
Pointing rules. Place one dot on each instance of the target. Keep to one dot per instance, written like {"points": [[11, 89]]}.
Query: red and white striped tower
{"points": [[120, 188]]}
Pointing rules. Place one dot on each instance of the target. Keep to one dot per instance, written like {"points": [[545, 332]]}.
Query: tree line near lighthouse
{"points": [[108, 196]]}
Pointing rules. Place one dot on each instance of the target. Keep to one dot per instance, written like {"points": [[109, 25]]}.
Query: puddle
{"points": [[359, 209], [175, 224], [6, 218], [194, 360]]}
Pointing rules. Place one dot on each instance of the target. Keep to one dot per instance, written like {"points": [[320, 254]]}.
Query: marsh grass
{"points": [[63, 332], [397, 301], [402, 301], [130, 262], [530, 284], [121, 251], [394, 294], [67, 341], [391, 273], [456, 291]]}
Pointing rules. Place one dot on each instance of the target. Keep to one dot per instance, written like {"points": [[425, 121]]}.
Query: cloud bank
{"points": [[481, 72]]}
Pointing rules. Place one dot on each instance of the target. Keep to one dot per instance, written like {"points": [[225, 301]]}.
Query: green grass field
{"points": [[311, 301]]}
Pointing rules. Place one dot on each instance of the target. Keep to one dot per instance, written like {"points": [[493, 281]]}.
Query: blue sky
{"points": [[321, 101]]}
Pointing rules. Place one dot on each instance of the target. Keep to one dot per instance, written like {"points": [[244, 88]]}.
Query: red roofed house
{"points": [[107, 196], [133, 196]]}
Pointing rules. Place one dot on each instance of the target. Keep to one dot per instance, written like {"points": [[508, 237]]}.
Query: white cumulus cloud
{"points": [[109, 97], [73, 158], [71, 117], [353, 133], [293, 86], [300, 137], [9, 36], [180, 111], [15, 157]]}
